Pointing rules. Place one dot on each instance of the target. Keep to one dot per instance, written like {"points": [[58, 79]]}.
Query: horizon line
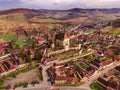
{"points": [[57, 9]]}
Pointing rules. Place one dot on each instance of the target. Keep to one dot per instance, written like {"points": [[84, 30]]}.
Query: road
{"points": [[7, 55]]}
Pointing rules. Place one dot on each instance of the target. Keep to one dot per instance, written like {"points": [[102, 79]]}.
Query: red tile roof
{"points": [[106, 62], [60, 78], [2, 47], [69, 79], [110, 52], [111, 72], [41, 39], [53, 59], [59, 64], [66, 36]]}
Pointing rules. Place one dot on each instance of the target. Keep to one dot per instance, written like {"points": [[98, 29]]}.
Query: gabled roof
{"points": [[106, 62], [2, 47], [66, 36], [52, 59], [110, 52]]}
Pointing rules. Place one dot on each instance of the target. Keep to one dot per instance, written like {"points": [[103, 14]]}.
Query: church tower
{"points": [[66, 42]]}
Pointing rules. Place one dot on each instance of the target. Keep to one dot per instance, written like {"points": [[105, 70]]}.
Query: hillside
{"points": [[13, 18], [61, 14], [111, 30]]}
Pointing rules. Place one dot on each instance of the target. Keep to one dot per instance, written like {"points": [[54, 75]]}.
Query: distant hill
{"points": [[19, 10], [59, 14]]}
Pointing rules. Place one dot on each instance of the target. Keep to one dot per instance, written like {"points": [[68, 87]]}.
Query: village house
{"points": [[51, 61], [40, 39], [69, 73], [109, 80], [100, 64], [62, 74], [9, 63]]}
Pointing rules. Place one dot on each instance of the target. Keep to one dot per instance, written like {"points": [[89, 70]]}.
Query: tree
{"points": [[10, 45], [54, 64], [59, 43], [38, 56], [28, 59]]}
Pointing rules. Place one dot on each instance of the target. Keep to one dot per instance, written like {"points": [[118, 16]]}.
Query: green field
{"points": [[114, 31], [81, 65], [111, 30], [14, 17], [44, 20], [40, 75], [9, 37], [21, 43]]}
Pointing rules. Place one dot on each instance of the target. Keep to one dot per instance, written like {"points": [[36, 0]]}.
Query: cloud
{"points": [[65, 4], [59, 4]]}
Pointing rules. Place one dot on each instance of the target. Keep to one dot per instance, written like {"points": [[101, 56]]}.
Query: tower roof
{"points": [[66, 36]]}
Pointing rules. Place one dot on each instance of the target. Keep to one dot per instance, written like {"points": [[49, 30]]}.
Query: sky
{"points": [[58, 4]]}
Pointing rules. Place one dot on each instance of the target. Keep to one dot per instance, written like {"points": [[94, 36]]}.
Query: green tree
{"points": [[29, 59], [59, 43], [38, 56]]}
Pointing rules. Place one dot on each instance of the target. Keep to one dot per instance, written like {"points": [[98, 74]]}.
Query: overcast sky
{"points": [[59, 4]]}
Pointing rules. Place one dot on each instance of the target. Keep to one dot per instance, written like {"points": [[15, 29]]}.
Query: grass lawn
{"points": [[40, 75], [81, 65], [117, 74], [85, 52], [22, 70], [92, 58], [66, 55], [1, 81], [106, 58], [114, 31], [50, 26], [9, 37], [21, 43], [71, 56], [106, 18], [95, 86]]}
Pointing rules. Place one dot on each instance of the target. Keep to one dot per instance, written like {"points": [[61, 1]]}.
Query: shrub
{"points": [[34, 82], [24, 84]]}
